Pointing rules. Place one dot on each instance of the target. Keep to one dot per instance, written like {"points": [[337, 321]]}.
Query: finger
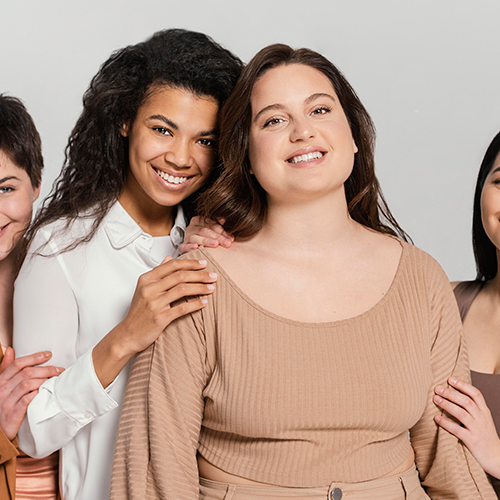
{"points": [[25, 387], [185, 290], [180, 277], [171, 266], [454, 410], [186, 247], [473, 392], [8, 357], [207, 239], [452, 427], [166, 259], [183, 308], [24, 361], [458, 398]]}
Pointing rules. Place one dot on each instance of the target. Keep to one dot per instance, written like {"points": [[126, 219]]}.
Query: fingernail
{"points": [[47, 354], [210, 287], [203, 262], [204, 301], [453, 380], [213, 275], [438, 418], [212, 242], [439, 389], [437, 399]]}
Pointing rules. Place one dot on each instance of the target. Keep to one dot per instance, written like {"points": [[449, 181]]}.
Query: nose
{"points": [[302, 129], [179, 154]]}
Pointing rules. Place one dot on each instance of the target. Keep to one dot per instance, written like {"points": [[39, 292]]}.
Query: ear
{"points": [[124, 130], [355, 147], [36, 191]]}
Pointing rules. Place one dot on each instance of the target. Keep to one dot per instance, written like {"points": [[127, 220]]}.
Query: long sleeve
{"points": [[446, 468], [155, 455], [46, 317]]}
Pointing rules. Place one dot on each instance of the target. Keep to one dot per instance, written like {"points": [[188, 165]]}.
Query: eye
{"points": [[273, 121], [6, 189], [321, 110], [163, 130], [209, 143]]}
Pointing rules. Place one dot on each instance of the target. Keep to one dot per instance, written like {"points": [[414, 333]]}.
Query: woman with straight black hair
{"points": [[100, 283], [477, 406], [310, 373]]}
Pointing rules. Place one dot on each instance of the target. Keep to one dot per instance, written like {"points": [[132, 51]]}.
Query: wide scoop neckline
{"points": [[325, 324]]}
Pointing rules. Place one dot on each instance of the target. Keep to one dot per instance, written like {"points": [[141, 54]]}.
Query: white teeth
{"points": [[171, 178], [307, 157]]}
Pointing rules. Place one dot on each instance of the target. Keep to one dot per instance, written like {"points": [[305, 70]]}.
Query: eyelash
{"points": [[208, 142], [323, 110], [6, 190], [163, 130]]}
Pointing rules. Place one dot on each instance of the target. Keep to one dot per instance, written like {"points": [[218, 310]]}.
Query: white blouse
{"points": [[67, 303]]}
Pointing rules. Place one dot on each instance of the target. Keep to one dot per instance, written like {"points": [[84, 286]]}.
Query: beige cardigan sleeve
{"points": [[155, 455], [446, 467]]}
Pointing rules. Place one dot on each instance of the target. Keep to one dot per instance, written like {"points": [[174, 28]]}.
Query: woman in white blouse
{"points": [[97, 285]]}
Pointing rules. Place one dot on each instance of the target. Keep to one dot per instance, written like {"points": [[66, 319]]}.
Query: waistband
{"points": [[398, 487]]}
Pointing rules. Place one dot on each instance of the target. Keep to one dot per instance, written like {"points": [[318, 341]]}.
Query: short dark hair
{"points": [[485, 251], [238, 198], [96, 163], [19, 138]]}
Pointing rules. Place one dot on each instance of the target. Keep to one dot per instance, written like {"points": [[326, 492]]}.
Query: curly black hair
{"points": [[96, 162]]}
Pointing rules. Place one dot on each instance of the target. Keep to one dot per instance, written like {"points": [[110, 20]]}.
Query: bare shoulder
{"points": [[454, 284]]}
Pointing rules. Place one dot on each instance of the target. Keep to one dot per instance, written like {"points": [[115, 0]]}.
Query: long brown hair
{"points": [[238, 198]]}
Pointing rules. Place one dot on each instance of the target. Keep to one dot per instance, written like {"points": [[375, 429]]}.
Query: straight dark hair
{"points": [[485, 251], [238, 198], [96, 162]]}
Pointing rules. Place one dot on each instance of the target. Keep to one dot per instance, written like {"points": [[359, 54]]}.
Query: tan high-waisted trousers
{"points": [[399, 487]]}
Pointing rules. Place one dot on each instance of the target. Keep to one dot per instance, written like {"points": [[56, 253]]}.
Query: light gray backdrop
{"points": [[427, 71]]}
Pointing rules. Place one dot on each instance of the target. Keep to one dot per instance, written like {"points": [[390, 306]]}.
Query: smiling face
{"points": [[172, 149], [490, 204], [301, 144], [16, 204]]}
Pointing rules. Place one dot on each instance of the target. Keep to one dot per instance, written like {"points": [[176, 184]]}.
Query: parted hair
{"points": [[236, 196], [96, 161], [19, 138], [484, 250]]}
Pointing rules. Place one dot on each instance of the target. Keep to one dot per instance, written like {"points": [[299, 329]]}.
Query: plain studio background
{"points": [[427, 71]]}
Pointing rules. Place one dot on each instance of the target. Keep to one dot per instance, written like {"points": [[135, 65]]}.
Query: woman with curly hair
{"points": [[100, 282]]}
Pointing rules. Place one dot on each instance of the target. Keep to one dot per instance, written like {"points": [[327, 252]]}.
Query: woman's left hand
{"points": [[206, 233], [477, 432]]}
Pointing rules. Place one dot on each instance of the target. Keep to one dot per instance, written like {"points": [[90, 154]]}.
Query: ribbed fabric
{"points": [[298, 404]]}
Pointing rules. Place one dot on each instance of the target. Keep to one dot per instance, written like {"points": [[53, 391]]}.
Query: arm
{"points": [[206, 233], [476, 428], [66, 404], [446, 468], [155, 455]]}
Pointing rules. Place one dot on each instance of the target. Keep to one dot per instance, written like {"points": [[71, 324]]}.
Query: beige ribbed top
{"points": [[298, 404]]}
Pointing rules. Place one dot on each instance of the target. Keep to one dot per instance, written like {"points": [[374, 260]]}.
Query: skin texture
{"points": [[482, 324], [175, 132]]}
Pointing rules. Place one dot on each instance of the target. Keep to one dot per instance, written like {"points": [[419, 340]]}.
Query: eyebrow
{"points": [[280, 107], [5, 179], [495, 170], [173, 125]]}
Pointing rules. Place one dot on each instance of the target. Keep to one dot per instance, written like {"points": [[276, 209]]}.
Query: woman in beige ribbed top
{"points": [[317, 355]]}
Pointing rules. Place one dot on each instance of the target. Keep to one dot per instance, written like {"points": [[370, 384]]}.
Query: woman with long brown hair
{"points": [[310, 373]]}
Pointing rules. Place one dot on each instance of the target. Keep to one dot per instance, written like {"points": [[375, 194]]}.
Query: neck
{"points": [[308, 227], [8, 273], [154, 219]]}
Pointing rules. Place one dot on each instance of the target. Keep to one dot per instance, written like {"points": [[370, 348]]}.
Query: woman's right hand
{"points": [[155, 304], [19, 382], [475, 427]]}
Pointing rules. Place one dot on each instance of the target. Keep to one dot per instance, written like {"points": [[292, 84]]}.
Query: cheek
{"points": [[490, 212], [18, 209]]}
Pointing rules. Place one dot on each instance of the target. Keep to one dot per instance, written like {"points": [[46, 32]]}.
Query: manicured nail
{"points": [[47, 354], [437, 399], [213, 275], [453, 380], [439, 389], [438, 418], [204, 301], [210, 287], [203, 262]]}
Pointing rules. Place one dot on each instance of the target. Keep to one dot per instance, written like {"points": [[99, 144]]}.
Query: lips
{"points": [[306, 155], [171, 179]]}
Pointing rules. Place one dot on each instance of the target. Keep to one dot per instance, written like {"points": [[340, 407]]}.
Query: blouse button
{"points": [[336, 494]]}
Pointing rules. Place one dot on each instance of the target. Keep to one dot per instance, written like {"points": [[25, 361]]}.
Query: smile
{"points": [[170, 178], [307, 157]]}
